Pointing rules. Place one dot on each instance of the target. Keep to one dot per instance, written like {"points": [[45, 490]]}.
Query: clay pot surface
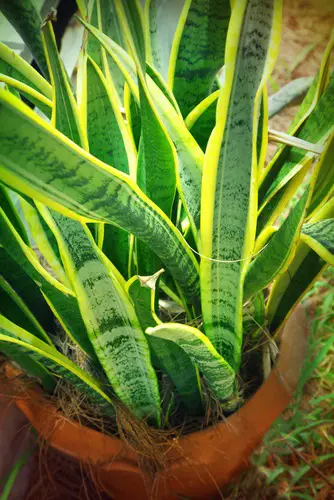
{"points": [[198, 464]]}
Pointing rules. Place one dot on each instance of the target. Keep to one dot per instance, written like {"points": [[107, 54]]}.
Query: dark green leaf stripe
{"points": [[40, 162], [292, 285], [26, 20], [109, 141], [105, 124], [320, 237], [54, 362], [228, 210], [8, 207], [218, 373], [12, 65], [64, 305], [65, 117], [276, 255], [166, 356], [110, 319], [198, 50]]}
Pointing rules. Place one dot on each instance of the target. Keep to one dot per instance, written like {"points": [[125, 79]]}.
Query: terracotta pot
{"points": [[200, 463]]}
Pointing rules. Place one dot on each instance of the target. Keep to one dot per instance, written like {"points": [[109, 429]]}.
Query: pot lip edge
{"points": [[57, 414]]}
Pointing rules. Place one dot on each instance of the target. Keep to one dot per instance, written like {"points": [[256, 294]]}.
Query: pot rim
{"points": [[283, 379]]}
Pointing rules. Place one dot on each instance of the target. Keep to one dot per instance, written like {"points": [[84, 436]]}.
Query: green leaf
{"points": [[320, 237], [26, 20], [218, 373], [104, 17], [59, 298], [292, 285], [160, 82], [15, 309], [26, 289], [109, 141], [47, 356], [8, 207], [31, 367], [42, 163], [65, 115], [166, 356], [35, 97], [275, 257], [131, 20], [132, 113], [43, 238], [190, 156], [324, 186], [311, 123], [12, 65], [160, 24], [202, 119], [228, 207], [110, 319], [198, 50], [156, 171], [315, 129]]}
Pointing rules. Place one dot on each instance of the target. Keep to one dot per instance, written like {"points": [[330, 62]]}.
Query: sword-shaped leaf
{"points": [[110, 141], [65, 115], [39, 161], [27, 21], [15, 309], [292, 285], [57, 364], [157, 163], [198, 50], [190, 156], [228, 207], [32, 95], [8, 207], [166, 356], [12, 65], [44, 239], [103, 16], [275, 257], [59, 298], [219, 375], [315, 129], [26, 289], [110, 319]]}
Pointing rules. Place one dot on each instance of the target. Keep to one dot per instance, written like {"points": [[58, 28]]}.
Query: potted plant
{"points": [[164, 267]]}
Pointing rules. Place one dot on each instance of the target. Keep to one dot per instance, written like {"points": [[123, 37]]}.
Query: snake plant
{"points": [[146, 185]]}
